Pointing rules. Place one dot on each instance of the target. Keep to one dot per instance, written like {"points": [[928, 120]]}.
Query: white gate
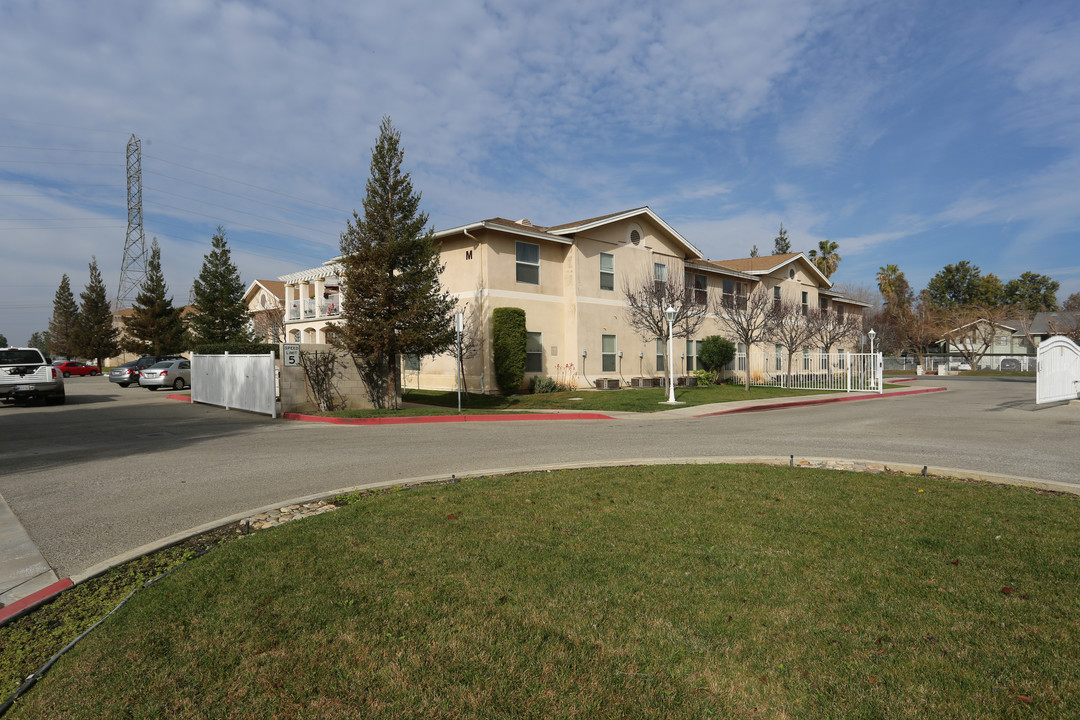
{"points": [[850, 372], [1058, 376], [240, 382]]}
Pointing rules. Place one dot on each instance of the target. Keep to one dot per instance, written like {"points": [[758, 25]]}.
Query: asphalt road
{"points": [[116, 468]]}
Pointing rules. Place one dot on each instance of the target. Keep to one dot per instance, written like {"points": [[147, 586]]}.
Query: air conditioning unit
{"points": [[607, 383]]}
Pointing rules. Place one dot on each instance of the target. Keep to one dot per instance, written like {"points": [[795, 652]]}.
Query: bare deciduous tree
{"points": [[916, 326], [829, 328], [791, 330], [321, 368], [648, 299], [268, 321], [972, 331], [749, 318]]}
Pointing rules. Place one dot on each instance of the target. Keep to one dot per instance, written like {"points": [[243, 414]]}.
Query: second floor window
{"points": [[659, 276], [697, 288], [735, 291], [528, 263], [805, 302], [607, 271], [776, 296]]}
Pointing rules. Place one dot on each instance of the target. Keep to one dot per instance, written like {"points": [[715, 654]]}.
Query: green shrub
{"points": [[715, 353], [237, 349], [544, 384], [508, 337], [705, 377]]}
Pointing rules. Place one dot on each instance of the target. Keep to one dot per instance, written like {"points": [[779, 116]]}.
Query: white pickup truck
{"points": [[25, 375]]}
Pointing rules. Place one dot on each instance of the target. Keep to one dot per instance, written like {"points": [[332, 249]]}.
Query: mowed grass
{"points": [[626, 400], [654, 592]]}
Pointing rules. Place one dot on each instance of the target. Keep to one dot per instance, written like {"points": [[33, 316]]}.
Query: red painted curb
{"points": [[184, 398], [820, 401], [28, 603], [444, 418]]}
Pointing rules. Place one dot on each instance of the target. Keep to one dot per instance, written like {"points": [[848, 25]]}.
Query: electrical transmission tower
{"points": [[133, 269]]}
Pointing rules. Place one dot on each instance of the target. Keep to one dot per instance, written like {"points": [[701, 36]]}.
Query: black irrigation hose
{"points": [[33, 677]]}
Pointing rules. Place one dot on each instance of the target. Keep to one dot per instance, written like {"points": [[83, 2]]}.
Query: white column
{"points": [[304, 295], [289, 295], [320, 288]]}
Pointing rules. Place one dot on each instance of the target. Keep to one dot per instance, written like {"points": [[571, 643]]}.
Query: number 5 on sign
{"points": [[290, 354]]}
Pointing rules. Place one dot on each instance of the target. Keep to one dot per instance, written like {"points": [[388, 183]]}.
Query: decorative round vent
{"points": [[791, 273], [635, 236]]}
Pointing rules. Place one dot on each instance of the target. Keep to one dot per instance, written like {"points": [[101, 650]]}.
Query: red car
{"points": [[73, 367]]}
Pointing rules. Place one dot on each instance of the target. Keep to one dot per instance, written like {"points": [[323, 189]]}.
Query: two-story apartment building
{"points": [[570, 281]]}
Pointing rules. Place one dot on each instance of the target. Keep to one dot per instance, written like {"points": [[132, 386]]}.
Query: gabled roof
{"points": [[534, 232], [768, 264], [274, 287], [1041, 324], [583, 225]]}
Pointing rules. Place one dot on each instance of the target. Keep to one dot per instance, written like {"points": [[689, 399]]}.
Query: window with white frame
{"points": [[661, 355], [776, 296], [607, 353], [779, 349], [534, 352], [659, 274], [693, 349], [806, 358], [528, 263], [805, 302], [607, 271], [823, 362], [697, 288], [841, 358], [740, 353]]}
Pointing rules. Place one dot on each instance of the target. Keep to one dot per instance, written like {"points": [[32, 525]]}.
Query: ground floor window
{"points": [[693, 349], [534, 352], [806, 358], [779, 350], [661, 354], [824, 362], [607, 353], [741, 355]]}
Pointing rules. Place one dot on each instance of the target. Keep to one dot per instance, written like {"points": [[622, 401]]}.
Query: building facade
{"points": [[570, 280]]}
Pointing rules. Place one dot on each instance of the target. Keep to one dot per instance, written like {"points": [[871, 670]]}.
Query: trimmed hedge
{"points": [[237, 349], [508, 338]]}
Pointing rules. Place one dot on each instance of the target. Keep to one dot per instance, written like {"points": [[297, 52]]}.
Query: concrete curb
{"points": [[19, 608], [37, 599], [421, 419], [821, 401]]}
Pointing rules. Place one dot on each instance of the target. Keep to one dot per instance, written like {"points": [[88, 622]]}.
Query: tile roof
{"points": [[755, 264]]}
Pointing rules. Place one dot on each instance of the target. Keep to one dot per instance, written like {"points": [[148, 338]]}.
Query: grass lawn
{"points": [[662, 592], [600, 400]]}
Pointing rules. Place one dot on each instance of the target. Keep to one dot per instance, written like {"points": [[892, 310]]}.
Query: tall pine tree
{"points": [[781, 244], [155, 327], [64, 324], [220, 313], [98, 337], [392, 301]]}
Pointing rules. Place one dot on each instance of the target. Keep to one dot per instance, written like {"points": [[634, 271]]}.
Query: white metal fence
{"points": [[1058, 377], [850, 372], [1008, 363], [240, 382]]}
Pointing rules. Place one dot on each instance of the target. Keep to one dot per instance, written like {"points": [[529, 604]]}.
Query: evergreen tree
{"points": [[781, 244], [392, 302], [39, 340], [97, 337], [754, 251], [155, 327], [220, 313], [1033, 292], [64, 324]]}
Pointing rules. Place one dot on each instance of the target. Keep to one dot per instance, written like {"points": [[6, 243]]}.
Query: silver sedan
{"points": [[167, 373]]}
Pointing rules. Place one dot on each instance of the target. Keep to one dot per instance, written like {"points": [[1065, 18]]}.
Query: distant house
{"points": [[265, 300], [569, 280]]}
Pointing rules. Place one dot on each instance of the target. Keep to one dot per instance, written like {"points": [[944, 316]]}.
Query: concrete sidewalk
{"points": [[23, 570]]}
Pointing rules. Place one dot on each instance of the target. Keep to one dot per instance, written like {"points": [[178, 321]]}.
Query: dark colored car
{"points": [[74, 367], [128, 373]]}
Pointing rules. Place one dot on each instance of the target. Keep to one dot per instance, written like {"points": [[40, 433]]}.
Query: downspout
{"points": [[483, 285]]}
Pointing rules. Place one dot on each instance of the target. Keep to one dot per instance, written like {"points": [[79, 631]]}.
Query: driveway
{"points": [[118, 468]]}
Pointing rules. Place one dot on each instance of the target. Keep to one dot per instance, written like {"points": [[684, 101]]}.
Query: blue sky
{"points": [[915, 133]]}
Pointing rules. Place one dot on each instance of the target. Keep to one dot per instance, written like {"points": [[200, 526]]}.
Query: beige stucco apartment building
{"points": [[569, 279]]}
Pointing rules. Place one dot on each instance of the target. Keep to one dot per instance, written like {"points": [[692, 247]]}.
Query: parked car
{"points": [[167, 373], [1010, 365], [25, 374], [74, 367], [128, 373], [960, 366]]}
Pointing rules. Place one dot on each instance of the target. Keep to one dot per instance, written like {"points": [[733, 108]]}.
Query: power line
{"points": [[67, 227], [241, 182], [238, 246], [232, 194], [232, 209], [59, 162], [58, 149], [238, 224]]}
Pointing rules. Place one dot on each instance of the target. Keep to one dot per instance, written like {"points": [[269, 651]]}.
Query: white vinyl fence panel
{"points": [[1058, 376], [240, 382], [850, 372]]}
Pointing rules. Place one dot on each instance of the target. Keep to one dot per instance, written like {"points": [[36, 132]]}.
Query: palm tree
{"points": [[893, 286], [825, 257]]}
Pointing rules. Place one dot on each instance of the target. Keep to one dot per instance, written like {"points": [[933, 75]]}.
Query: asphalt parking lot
{"points": [[116, 468]]}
